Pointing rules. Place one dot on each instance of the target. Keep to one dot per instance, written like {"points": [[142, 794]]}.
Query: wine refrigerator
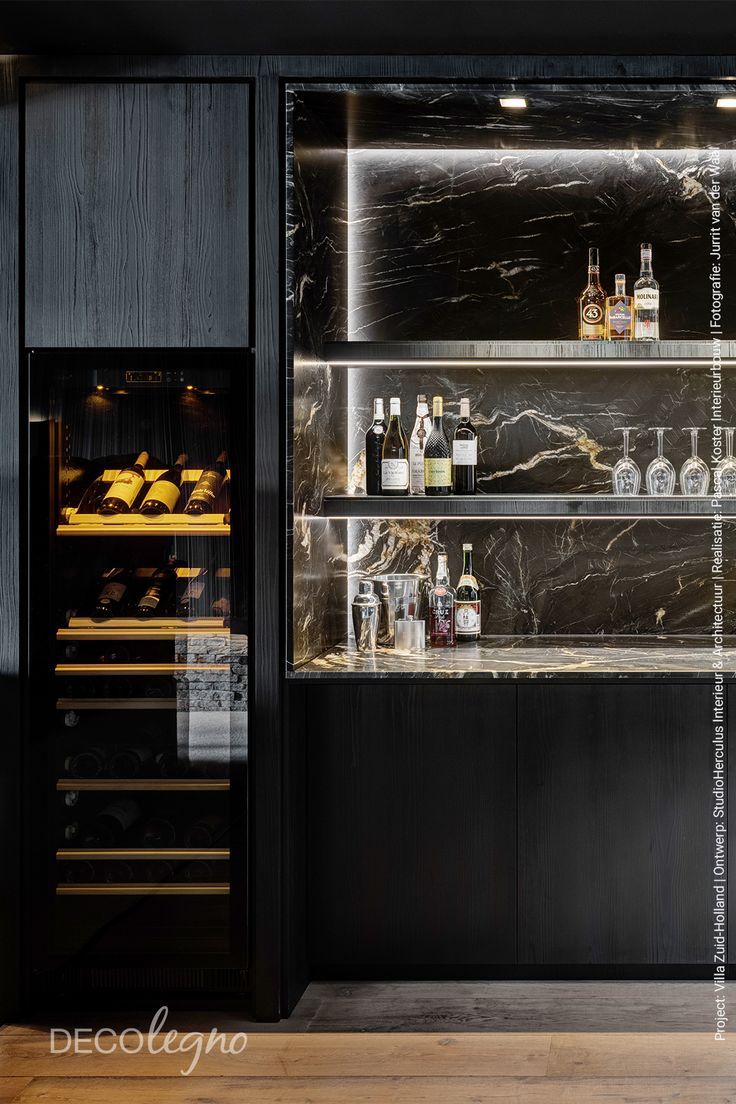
{"points": [[137, 596]]}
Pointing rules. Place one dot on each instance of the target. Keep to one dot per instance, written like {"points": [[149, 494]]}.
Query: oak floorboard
{"points": [[378, 1090], [11, 1088], [300, 1055], [642, 1055]]}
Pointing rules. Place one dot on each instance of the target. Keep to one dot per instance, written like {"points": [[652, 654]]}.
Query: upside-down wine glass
{"points": [[694, 473], [724, 476], [660, 473], [626, 474]]}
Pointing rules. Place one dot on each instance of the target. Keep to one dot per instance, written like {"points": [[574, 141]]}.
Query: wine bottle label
{"points": [[416, 465], [646, 298], [164, 492], [467, 618], [207, 488], [438, 472], [592, 314], [465, 452], [112, 592], [395, 475], [126, 487], [440, 622]]}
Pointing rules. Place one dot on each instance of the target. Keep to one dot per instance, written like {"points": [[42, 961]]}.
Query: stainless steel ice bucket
{"points": [[401, 596]]}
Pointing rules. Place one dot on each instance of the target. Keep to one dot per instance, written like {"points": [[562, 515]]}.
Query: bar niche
{"points": [[139, 662], [438, 245]]}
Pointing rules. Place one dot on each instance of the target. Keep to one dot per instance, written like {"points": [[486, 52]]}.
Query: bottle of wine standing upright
{"points": [[417, 441], [437, 455], [374, 439], [395, 455], [464, 452], [467, 602]]}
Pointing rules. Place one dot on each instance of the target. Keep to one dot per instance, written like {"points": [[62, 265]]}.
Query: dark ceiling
{"points": [[368, 27]]}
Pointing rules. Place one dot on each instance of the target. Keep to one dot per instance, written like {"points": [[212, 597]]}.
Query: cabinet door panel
{"points": [[615, 825], [412, 843], [136, 214]]}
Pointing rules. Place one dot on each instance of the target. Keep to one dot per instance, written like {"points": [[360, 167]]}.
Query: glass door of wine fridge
{"points": [[138, 668]]}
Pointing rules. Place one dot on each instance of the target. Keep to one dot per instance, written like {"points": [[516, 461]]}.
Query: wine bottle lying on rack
{"points": [[155, 598], [203, 498], [89, 763], [124, 490], [110, 826], [164, 493], [111, 599]]}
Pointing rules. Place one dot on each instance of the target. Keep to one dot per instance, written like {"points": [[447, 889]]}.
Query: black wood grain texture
{"points": [[615, 827], [10, 511], [136, 214], [412, 841]]}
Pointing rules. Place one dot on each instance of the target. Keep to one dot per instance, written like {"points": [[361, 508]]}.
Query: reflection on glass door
{"points": [[138, 657]]}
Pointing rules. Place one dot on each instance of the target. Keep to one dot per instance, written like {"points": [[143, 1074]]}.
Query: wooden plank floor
{"points": [[632, 1043]]}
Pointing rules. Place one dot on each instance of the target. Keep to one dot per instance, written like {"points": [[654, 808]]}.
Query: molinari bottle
{"points": [[417, 442], [591, 303], [395, 455], [442, 608], [437, 455], [205, 494], [464, 452], [467, 602], [373, 449], [123, 491], [646, 300], [164, 493]]}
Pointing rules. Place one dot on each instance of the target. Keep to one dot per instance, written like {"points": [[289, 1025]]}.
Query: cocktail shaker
{"points": [[365, 617]]}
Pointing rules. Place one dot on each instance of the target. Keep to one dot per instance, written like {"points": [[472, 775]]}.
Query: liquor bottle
{"points": [[437, 455], [373, 448], [464, 452], [591, 303], [87, 763], [155, 597], [123, 491], [646, 300], [206, 832], [130, 762], [619, 314], [442, 608], [203, 498], [395, 455], [417, 441], [467, 602], [112, 598], [164, 493], [110, 826]]}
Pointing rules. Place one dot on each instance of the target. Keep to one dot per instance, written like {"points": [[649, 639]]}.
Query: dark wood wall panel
{"points": [[136, 214], [615, 827], [412, 843]]}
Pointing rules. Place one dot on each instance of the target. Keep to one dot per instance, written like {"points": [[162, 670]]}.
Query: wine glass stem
{"points": [[694, 443], [729, 443], [660, 443], [626, 444]]}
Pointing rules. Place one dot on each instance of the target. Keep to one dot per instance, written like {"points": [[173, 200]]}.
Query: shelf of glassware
{"points": [[601, 507], [516, 354]]}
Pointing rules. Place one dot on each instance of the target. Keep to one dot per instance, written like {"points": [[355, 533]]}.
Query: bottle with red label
{"points": [[467, 602], [442, 608]]}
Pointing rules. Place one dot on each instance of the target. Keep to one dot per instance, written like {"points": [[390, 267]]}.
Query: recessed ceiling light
{"points": [[726, 101], [512, 101]]}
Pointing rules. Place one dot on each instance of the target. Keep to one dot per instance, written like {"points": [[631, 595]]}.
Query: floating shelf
{"points": [[515, 354], [130, 628], [68, 669], [602, 507], [529, 657], [110, 889], [136, 525], [164, 785], [79, 704], [93, 854]]}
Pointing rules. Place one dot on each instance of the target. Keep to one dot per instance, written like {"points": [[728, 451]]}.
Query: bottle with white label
{"points": [[437, 455], [417, 441], [467, 602], [464, 452], [122, 493], [646, 300], [165, 491], [395, 455]]}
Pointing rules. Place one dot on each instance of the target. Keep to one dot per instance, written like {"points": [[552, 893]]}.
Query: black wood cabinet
{"points": [[615, 825], [412, 835], [136, 214]]}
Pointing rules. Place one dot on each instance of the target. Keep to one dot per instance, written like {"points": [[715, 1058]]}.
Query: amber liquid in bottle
{"points": [[592, 303]]}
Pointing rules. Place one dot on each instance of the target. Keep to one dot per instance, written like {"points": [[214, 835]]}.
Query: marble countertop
{"points": [[532, 657]]}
